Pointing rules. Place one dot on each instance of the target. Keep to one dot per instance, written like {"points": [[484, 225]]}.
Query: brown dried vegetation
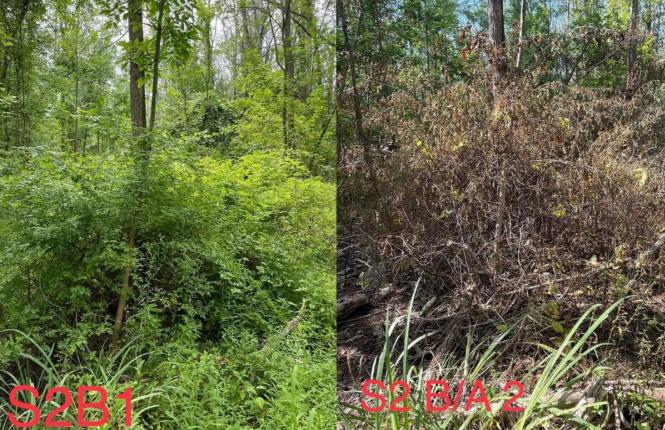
{"points": [[584, 180]]}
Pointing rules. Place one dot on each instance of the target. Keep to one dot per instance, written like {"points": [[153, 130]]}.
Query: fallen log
{"points": [[346, 305], [653, 251], [288, 328], [570, 398]]}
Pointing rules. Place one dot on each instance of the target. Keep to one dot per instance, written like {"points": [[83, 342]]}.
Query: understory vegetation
{"points": [[167, 211], [215, 283], [501, 220]]}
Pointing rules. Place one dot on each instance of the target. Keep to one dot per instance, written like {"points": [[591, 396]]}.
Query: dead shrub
{"points": [[584, 179]]}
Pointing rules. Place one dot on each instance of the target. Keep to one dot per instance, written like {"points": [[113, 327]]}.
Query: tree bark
{"points": [[208, 51], [648, 19], [426, 34], [77, 78], [138, 118], [19, 23], [653, 251], [9, 52], [497, 38], [341, 13], [520, 47], [247, 44], [346, 305], [632, 43], [155, 65], [136, 93], [76, 114], [123, 294], [289, 72], [498, 42]]}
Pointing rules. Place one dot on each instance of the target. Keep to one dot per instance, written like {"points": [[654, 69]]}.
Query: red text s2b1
{"points": [[437, 396], [82, 406]]}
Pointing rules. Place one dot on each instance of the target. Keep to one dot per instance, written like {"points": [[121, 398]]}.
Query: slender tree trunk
{"points": [[77, 79], [138, 118], [520, 48], [208, 51], [136, 93], [7, 138], [6, 56], [376, 18], [17, 121], [289, 72], [341, 13], [246, 33], [155, 65], [426, 34], [63, 134], [632, 43], [497, 38], [76, 116], [498, 41], [123, 295], [85, 142], [648, 18], [4, 69]]}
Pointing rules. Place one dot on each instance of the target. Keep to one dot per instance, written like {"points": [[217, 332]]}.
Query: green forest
{"points": [[167, 215], [501, 212]]}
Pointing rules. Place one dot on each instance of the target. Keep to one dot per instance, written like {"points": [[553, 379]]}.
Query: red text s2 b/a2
{"points": [[438, 397]]}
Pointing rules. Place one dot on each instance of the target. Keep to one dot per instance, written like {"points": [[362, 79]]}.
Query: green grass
{"points": [[284, 386], [557, 372]]}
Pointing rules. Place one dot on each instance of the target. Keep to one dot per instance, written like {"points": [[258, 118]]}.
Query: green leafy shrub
{"points": [[227, 252]]}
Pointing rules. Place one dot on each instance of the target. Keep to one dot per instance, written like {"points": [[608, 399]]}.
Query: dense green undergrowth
{"points": [[228, 252]]}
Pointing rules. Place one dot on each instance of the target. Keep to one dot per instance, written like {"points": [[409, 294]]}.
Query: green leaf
{"points": [[260, 403], [557, 327]]}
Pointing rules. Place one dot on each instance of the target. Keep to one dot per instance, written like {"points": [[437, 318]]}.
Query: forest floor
{"points": [[361, 339], [361, 333]]}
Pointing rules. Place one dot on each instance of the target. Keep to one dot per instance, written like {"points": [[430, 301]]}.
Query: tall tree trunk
{"points": [[136, 93], [497, 38], [8, 53], [63, 132], [426, 34], [520, 48], [360, 130], [76, 114], [207, 27], [6, 57], [155, 65], [77, 84], [498, 41], [289, 72], [632, 44], [246, 32], [85, 142], [648, 18], [138, 118]]}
